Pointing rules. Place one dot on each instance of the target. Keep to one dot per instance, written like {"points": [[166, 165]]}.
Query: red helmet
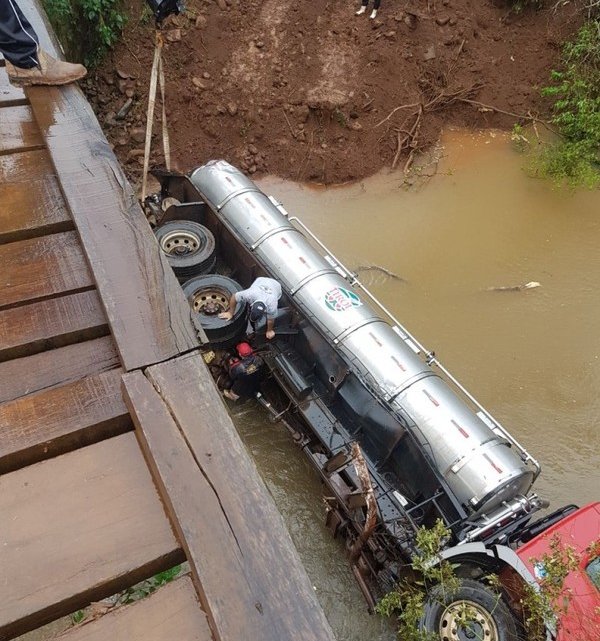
{"points": [[243, 349]]}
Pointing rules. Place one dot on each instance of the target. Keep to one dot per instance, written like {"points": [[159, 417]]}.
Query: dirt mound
{"points": [[309, 91]]}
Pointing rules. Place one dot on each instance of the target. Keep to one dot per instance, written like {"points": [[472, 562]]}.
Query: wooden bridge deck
{"points": [[117, 456]]}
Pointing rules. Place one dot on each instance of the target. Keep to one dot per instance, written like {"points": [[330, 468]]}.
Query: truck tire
{"points": [[188, 246], [472, 611], [208, 296]]}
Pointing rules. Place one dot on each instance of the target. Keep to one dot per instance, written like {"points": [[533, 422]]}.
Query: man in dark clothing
{"points": [[26, 63], [245, 374]]}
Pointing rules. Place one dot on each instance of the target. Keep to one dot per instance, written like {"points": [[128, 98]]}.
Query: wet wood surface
{"points": [[42, 267], [23, 376], [146, 309], [61, 419], [52, 323], [82, 526], [9, 95], [18, 130], [246, 569], [171, 613], [80, 515], [32, 204]]}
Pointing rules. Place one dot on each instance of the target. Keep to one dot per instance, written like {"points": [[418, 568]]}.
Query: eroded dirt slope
{"points": [[300, 88]]}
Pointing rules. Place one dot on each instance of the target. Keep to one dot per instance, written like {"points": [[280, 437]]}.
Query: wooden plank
{"points": [[18, 130], [42, 267], [55, 421], [56, 367], [9, 94], [172, 612], [79, 527], [147, 312], [32, 203], [251, 582], [52, 323]]}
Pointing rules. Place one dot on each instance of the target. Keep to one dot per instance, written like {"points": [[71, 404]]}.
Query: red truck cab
{"points": [[580, 618]]}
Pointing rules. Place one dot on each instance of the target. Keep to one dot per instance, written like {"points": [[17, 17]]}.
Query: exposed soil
{"points": [[300, 88]]}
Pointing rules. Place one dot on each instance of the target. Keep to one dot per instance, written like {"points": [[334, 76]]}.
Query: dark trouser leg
{"points": [[365, 3], [376, 4], [18, 41]]}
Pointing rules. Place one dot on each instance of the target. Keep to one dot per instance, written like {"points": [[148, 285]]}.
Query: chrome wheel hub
{"points": [[211, 301], [180, 243], [467, 621]]}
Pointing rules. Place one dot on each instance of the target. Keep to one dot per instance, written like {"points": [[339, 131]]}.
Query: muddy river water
{"points": [[531, 357]]}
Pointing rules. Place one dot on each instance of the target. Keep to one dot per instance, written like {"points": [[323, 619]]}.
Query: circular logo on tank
{"points": [[340, 299]]}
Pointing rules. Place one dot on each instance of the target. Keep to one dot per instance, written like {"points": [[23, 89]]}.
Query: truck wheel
{"points": [[188, 246], [471, 613], [208, 296]]}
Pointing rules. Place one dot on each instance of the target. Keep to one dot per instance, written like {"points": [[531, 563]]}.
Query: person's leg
{"points": [[363, 7], [18, 40], [375, 8]]}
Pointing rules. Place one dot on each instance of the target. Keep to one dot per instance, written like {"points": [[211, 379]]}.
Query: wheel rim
{"points": [[181, 243], [467, 621], [211, 301]]}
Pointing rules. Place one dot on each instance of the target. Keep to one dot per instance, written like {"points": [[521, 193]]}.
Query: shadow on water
{"points": [[297, 492]]}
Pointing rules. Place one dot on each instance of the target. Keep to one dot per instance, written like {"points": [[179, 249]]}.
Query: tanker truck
{"points": [[343, 371]]}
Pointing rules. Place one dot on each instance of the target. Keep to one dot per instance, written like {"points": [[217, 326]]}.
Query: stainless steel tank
{"points": [[478, 462]]}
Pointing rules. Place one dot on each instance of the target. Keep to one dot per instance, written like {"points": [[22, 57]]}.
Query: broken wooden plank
{"points": [[251, 582], [79, 528], [51, 323], [32, 204], [42, 267], [18, 130], [56, 367], [170, 613], [61, 419], [147, 312], [9, 94]]}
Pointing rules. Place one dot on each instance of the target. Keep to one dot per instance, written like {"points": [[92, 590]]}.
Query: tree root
{"points": [[435, 97]]}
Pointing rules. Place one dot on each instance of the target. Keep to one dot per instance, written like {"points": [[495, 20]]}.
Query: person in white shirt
{"points": [[262, 298]]}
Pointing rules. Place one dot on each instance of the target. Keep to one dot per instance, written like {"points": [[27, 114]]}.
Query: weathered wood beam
{"points": [[251, 582]]}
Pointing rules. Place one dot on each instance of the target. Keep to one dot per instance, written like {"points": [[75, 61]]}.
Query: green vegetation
{"points": [[86, 28], [407, 601], [134, 593], [576, 93], [520, 6], [551, 600]]}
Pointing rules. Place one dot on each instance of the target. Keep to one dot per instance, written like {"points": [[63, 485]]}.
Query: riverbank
{"points": [[311, 92]]}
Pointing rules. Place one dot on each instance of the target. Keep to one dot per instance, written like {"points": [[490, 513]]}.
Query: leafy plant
{"points": [[143, 589], [551, 599], [520, 6], [77, 617], [518, 137], [87, 28], [407, 601], [576, 93]]}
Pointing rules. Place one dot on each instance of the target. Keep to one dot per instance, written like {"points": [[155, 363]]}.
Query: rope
{"points": [[157, 77]]}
